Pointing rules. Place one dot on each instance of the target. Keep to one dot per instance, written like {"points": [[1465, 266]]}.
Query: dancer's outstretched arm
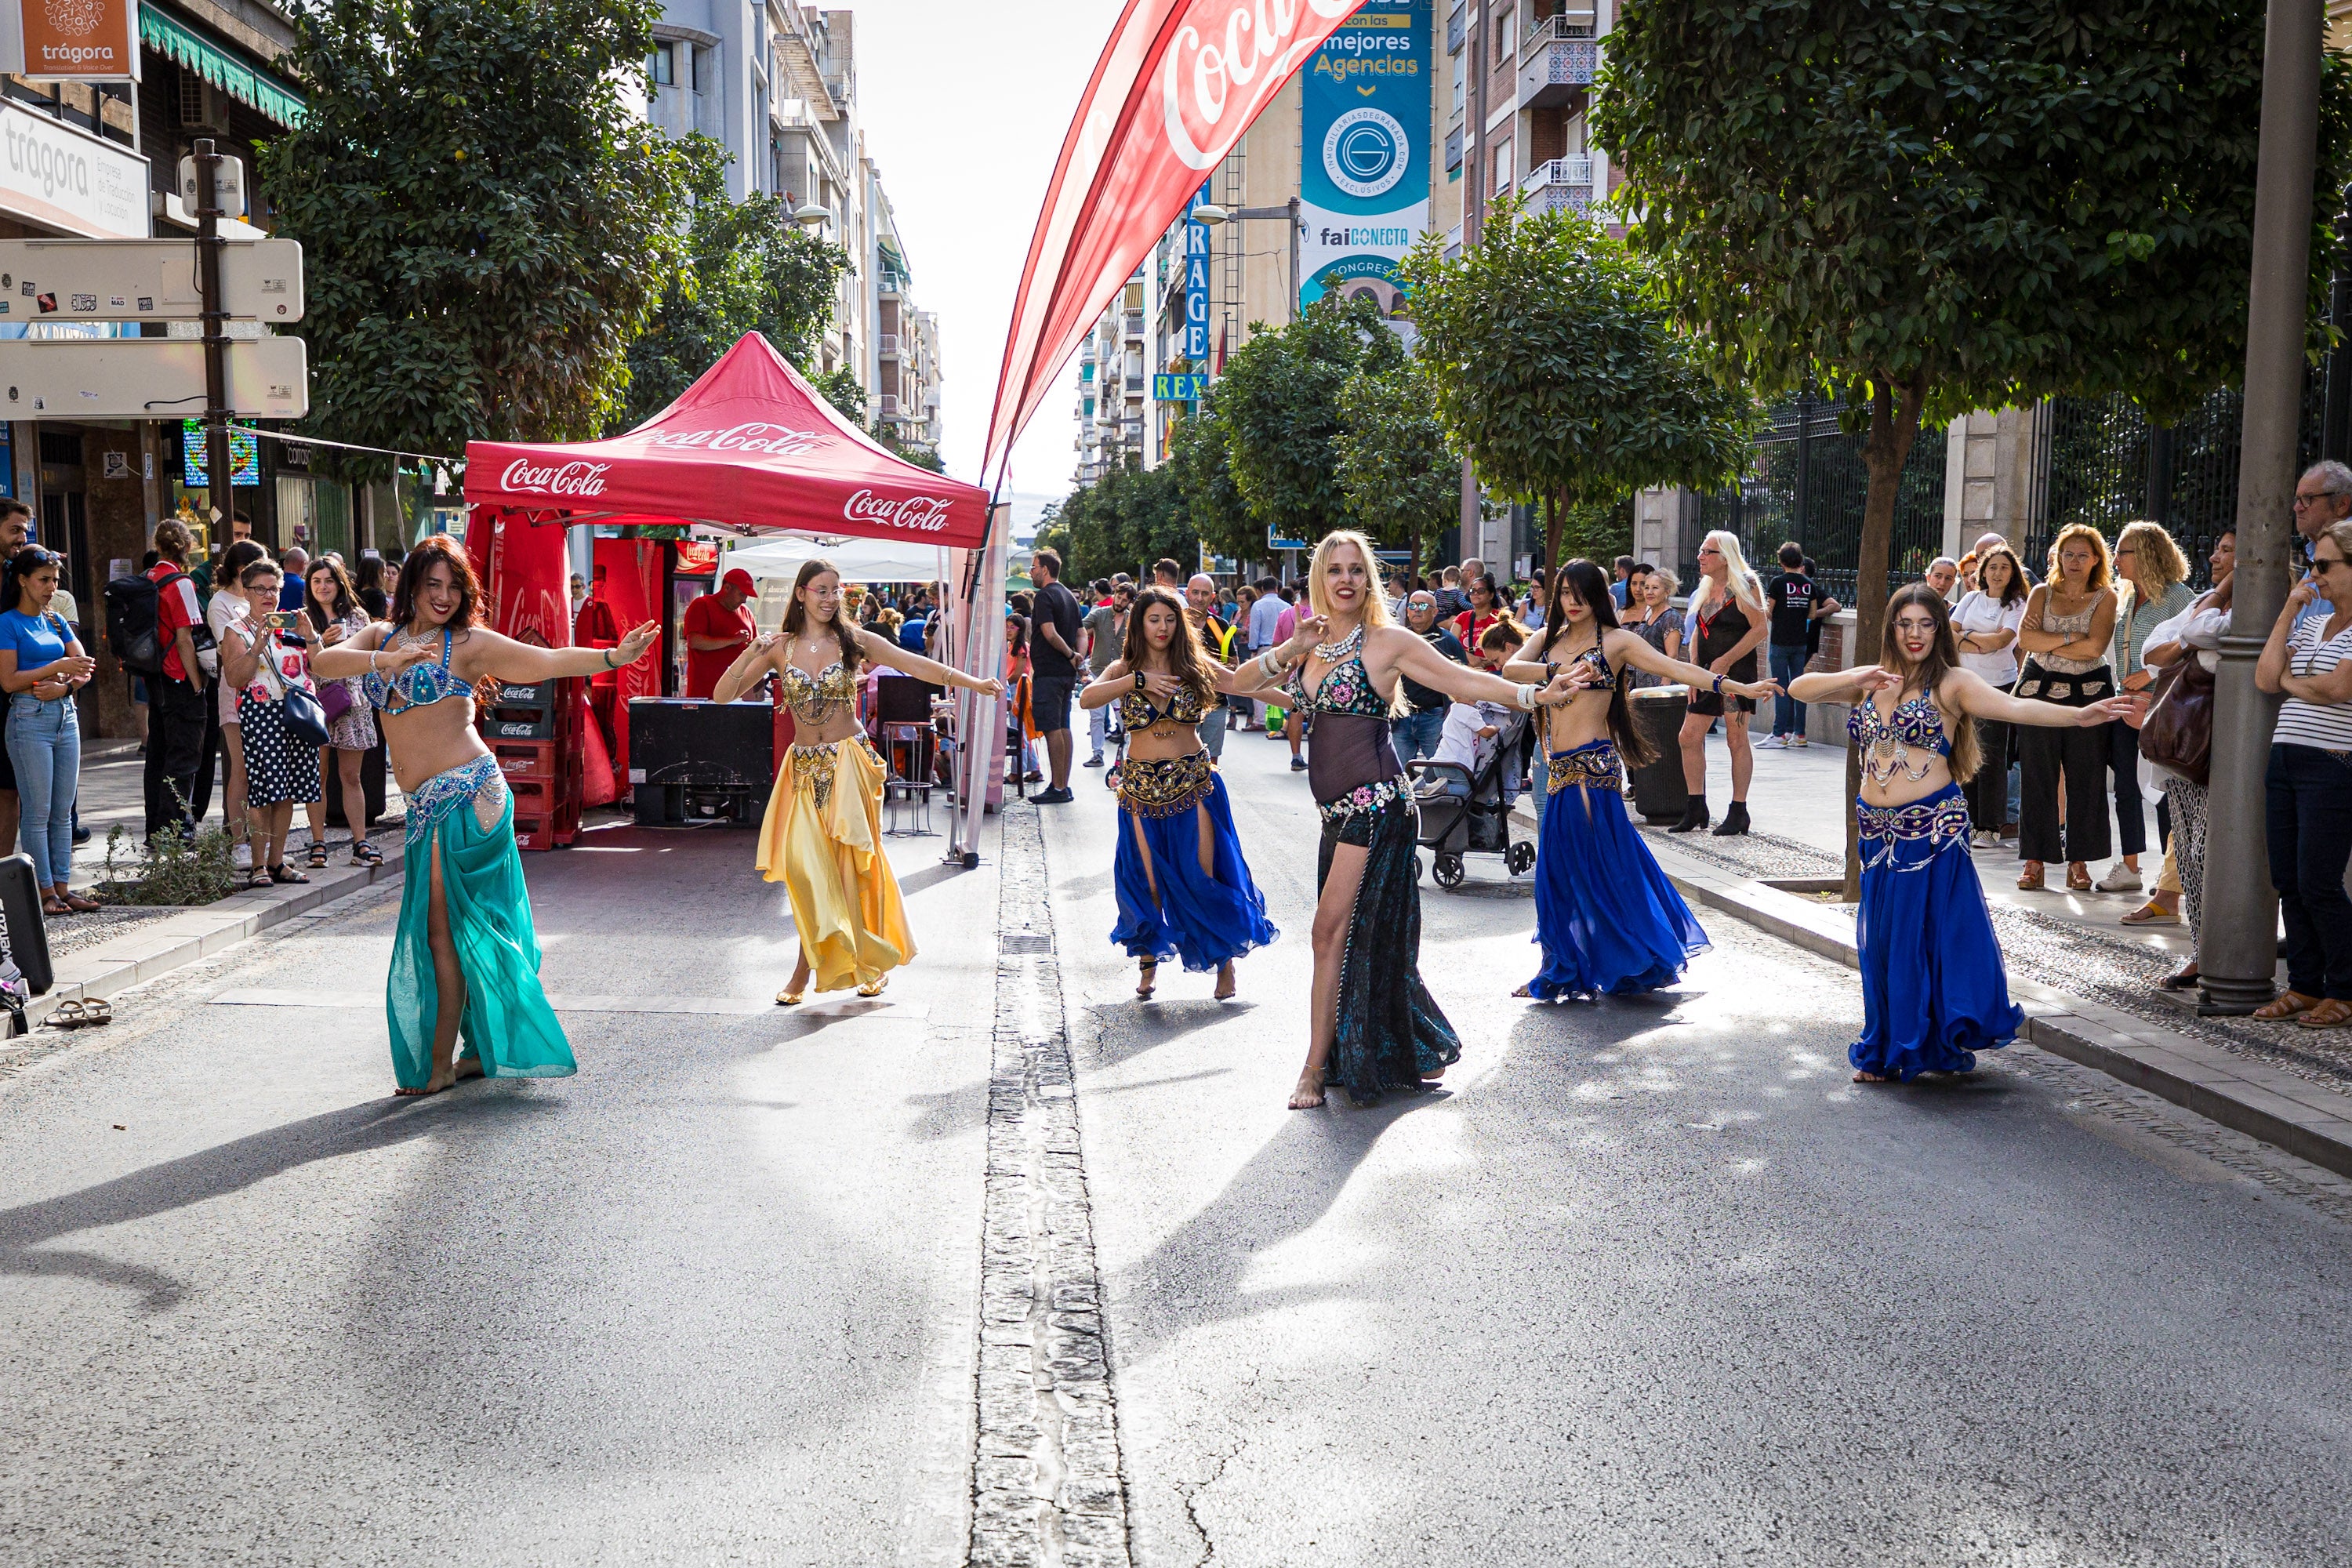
{"points": [[882, 650]]}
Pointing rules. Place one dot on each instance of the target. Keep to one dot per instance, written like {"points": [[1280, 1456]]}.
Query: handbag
{"points": [[2177, 732], [305, 719], [334, 700]]}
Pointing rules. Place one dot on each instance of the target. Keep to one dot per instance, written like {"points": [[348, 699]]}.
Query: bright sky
{"points": [[964, 109]]}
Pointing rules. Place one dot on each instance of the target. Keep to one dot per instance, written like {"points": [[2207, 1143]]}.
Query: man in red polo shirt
{"points": [[175, 703], [717, 628]]}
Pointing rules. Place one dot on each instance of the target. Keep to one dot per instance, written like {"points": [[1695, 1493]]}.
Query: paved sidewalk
{"points": [[2088, 982]]}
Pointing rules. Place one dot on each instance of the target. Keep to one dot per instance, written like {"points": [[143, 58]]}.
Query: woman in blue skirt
{"points": [[1934, 991], [1183, 890], [1607, 920]]}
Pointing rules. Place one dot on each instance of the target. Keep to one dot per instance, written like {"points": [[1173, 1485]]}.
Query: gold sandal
{"points": [[791, 998], [874, 987]]}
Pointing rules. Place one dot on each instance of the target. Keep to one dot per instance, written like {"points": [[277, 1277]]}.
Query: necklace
{"points": [[1333, 652]]}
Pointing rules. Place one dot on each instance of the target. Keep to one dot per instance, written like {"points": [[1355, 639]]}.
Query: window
{"points": [[662, 64], [701, 58]]}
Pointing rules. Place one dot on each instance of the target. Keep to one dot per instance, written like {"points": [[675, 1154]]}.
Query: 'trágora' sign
{"points": [[558, 479], [925, 514], [62, 178], [771, 440], [71, 40]]}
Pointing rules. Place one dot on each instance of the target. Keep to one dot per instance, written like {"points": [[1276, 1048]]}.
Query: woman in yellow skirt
{"points": [[823, 835]]}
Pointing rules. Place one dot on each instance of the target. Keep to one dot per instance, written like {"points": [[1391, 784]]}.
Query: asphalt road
{"points": [[709, 1300], [1652, 1282], [1649, 1282]]}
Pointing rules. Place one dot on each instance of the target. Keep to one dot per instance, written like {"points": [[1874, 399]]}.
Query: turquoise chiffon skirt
{"points": [[508, 1022]]}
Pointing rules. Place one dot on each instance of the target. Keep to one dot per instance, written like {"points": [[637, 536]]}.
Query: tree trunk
{"points": [[1894, 426]]}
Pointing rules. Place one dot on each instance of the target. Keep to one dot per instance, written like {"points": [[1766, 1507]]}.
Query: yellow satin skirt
{"points": [[823, 840]]}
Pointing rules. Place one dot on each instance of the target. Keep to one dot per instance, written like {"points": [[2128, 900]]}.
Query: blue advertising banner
{"points": [[1192, 343], [1364, 108]]}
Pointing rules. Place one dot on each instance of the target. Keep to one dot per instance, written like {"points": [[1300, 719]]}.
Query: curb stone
{"points": [[2291, 1113], [154, 950]]}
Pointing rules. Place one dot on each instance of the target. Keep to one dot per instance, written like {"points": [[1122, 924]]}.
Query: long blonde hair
{"points": [[1376, 600], [2159, 556], [1737, 575]]}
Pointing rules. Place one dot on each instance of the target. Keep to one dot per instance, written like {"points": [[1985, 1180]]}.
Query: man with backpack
{"points": [[152, 623]]}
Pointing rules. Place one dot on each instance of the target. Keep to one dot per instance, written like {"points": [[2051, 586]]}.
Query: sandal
{"points": [[65, 1015], [366, 854], [318, 856], [93, 1014], [2180, 980], [282, 872], [2331, 1013], [874, 986], [52, 906], [2078, 877], [2285, 1006], [259, 879], [2152, 914], [1146, 979], [78, 904], [2031, 880]]}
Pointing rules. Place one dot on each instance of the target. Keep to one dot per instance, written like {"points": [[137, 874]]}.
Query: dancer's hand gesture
{"points": [[2129, 708], [1754, 690], [1303, 638], [1562, 689], [1871, 679], [633, 647], [1159, 686]]}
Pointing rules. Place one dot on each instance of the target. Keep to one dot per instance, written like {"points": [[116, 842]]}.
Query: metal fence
{"points": [[1807, 482]]}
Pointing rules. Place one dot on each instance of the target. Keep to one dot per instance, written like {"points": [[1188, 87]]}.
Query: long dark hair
{"points": [[1943, 658], [21, 565], [2016, 591], [1588, 585], [234, 559], [1186, 662], [346, 601], [796, 614], [432, 550]]}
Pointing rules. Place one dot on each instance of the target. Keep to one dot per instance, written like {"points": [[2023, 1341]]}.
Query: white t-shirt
{"points": [[1459, 742], [225, 607], [1980, 613]]}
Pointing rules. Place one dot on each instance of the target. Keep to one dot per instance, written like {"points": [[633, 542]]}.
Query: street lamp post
{"points": [[1213, 215], [2237, 944]]}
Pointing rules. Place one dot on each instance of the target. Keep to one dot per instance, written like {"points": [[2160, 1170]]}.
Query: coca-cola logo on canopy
{"points": [[769, 440], [1203, 97], [925, 514], [557, 479]]}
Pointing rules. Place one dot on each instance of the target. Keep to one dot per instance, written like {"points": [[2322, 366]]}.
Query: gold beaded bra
{"points": [[814, 699]]}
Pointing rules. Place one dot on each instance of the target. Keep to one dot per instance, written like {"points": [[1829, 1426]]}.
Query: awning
{"points": [[249, 85]]}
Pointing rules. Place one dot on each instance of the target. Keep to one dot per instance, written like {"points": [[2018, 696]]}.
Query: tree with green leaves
{"points": [[1200, 458], [486, 224], [1924, 207], [746, 268], [1124, 522], [1552, 363], [1278, 402], [1402, 479]]}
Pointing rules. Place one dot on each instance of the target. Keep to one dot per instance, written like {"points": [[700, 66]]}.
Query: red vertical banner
{"points": [[526, 575], [629, 584]]}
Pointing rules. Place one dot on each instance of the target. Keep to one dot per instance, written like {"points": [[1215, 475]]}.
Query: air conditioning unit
{"points": [[203, 105]]}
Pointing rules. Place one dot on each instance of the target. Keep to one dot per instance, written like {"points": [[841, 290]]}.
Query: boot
{"points": [[1734, 820], [1695, 816]]}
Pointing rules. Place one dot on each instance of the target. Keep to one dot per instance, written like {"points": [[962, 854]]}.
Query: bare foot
{"points": [[1310, 1092], [1226, 984], [1146, 975], [1432, 1076], [1523, 991], [1861, 1076], [442, 1079], [467, 1066]]}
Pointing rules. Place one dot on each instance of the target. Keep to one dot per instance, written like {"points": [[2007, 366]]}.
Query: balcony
{"points": [[1456, 26], [1452, 148], [889, 405], [1134, 384], [886, 344], [1561, 185], [1135, 325], [1556, 62]]}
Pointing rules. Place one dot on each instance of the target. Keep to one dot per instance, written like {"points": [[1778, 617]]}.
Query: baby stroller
{"points": [[1469, 816]]}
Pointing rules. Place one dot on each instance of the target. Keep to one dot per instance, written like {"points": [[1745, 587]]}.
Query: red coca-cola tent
{"points": [[749, 447]]}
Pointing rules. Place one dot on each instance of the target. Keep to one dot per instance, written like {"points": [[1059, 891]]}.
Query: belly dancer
{"points": [[1607, 919], [465, 961], [823, 835], [1184, 891], [1934, 989], [1374, 1025]]}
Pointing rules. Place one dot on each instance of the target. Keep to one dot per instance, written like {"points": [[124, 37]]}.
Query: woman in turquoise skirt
{"points": [[465, 962]]}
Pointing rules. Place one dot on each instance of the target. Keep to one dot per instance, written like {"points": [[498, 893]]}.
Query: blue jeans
{"points": [[1788, 713], [44, 747], [1417, 734], [1212, 730], [2308, 823]]}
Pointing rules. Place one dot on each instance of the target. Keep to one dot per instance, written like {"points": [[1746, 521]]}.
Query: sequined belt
{"points": [[1365, 798], [1595, 765], [818, 763], [445, 793], [1939, 819], [1163, 786]]}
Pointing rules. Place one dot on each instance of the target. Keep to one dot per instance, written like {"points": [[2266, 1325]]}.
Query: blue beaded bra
{"points": [[1916, 722], [418, 686]]}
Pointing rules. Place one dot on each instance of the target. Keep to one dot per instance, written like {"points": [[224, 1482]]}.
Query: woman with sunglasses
{"points": [[42, 665]]}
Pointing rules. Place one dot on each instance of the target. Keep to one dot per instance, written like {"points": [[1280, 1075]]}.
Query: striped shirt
{"points": [[2327, 725]]}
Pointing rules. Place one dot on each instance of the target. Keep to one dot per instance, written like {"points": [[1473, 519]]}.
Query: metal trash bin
{"points": [[1659, 792]]}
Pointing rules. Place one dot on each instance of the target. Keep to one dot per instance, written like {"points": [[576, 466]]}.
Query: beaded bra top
{"points": [[1886, 741], [418, 686], [813, 699], [1136, 711], [1346, 687]]}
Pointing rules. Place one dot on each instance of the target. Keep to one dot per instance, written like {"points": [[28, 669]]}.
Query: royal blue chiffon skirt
{"points": [[1606, 918], [1934, 991], [1204, 919]]}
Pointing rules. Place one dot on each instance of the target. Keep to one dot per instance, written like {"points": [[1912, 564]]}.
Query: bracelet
{"points": [[1139, 681], [1718, 686], [607, 655], [1528, 697]]}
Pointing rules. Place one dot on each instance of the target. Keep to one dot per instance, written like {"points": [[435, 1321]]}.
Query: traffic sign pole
{"points": [[220, 474]]}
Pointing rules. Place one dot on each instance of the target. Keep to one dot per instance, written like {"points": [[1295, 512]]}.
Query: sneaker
{"points": [[1799, 741], [1053, 797], [2122, 879], [1093, 763], [1298, 764], [1774, 743], [1984, 838]]}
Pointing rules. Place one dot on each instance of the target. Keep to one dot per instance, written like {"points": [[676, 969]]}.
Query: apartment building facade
{"points": [[775, 83]]}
